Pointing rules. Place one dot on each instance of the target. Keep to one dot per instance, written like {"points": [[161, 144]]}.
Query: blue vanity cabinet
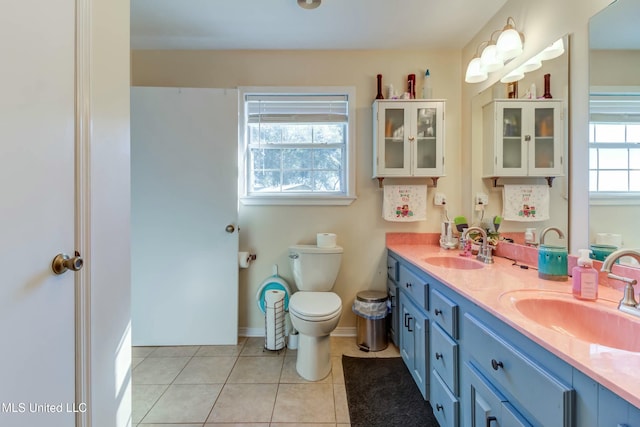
{"points": [[481, 372], [414, 341], [392, 292]]}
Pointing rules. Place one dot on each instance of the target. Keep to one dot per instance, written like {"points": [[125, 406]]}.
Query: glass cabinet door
{"points": [[395, 151], [512, 148], [543, 151], [427, 132]]}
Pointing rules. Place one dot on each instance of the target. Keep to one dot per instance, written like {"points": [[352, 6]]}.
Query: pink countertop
{"points": [[491, 288]]}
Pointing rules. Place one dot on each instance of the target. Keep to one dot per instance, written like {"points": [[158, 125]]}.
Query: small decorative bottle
{"points": [[547, 86], [379, 95], [585, 278]]}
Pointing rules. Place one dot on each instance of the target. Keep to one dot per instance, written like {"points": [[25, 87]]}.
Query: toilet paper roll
{"points": [[244, 259], [609, 239], [271, 297], [326, 240]]}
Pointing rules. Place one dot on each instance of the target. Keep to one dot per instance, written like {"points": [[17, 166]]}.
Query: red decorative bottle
{"points": [[547, 86], [379, 95], [411, 83]]}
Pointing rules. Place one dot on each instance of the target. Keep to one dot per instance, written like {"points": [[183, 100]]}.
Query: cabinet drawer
{"points": [[445, 313], [415, 286], [444, 357], [542, 395], [444, 404], [392, 268], [488, 406]]}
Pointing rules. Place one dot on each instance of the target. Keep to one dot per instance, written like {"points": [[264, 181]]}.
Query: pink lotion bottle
{"points": [[585, 278]]}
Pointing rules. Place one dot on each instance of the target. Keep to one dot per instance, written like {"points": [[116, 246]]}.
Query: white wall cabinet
{"points": [[523, 138], [408, 138]]}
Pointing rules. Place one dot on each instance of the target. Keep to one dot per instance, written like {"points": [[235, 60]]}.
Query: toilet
{"points": [[314, 309]]}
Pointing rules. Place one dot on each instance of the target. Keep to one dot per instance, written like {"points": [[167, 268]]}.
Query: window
{"points": [[297, 145], [614, 146]]}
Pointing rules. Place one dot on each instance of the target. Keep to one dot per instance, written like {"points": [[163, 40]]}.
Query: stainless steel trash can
{"points": [[371, 312]]}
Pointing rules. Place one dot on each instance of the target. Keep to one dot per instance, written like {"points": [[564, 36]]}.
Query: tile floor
{"points": [[241, 385]]}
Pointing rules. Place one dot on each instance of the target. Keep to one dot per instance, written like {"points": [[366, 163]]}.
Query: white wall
{"points": [[269, 230]]}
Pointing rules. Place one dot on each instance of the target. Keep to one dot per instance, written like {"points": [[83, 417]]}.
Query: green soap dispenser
{"points": [[585, 278]]}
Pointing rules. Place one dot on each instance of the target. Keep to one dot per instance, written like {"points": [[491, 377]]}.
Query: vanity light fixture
{"points": [[553, 51], [495, 53], [309, 4], [510, 41]]}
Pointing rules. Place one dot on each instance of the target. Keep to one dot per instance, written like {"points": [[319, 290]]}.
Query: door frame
{"points": [[83, 210]]}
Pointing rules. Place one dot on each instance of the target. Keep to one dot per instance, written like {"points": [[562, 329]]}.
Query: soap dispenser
{"points": [[585, 277]]}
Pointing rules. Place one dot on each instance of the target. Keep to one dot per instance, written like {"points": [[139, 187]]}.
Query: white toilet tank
{"points": [[314, 268]]}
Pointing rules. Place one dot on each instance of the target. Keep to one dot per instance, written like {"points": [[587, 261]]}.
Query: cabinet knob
{"points": [[495, 364], [408, 285], [438, 356], [439, 407], [438, 312]]}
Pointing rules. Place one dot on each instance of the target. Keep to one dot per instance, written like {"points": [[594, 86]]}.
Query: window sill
{"points": [[298, 200], [614, 199]]}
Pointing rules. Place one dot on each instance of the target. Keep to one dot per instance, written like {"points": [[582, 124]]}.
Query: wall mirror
{"points": [[558, 70], [614, 126]]}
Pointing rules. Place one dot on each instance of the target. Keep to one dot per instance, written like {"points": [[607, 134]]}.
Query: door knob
{"points": [[63, 262], [230, 228]]}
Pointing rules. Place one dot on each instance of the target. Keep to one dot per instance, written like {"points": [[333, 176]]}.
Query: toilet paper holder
{"points": [[245, 259]]}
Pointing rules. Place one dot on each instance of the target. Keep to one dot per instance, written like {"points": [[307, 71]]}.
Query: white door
{"points": [[184, 235], [37, 356]]}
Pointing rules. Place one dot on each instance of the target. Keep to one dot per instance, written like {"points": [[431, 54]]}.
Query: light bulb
{"points": [[475, 72]]}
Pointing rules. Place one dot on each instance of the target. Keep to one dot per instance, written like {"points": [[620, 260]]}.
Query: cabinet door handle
{"points": [[438, 312], [495, 364], [439, 356], [490, 419], [527, 138], [408, 285], [409, 325], [439, 407], [406, 325]]}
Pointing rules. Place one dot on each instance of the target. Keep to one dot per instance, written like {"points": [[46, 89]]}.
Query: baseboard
{"points": [[343, 331]]}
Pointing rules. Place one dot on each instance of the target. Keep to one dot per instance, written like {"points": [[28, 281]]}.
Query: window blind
{"points": [[297, 108]]}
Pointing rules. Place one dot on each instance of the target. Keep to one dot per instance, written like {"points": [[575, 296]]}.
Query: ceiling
{"points": [[282, 24]]}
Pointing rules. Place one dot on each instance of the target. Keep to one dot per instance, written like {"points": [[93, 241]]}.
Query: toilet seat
{"points": [[315, 306]]}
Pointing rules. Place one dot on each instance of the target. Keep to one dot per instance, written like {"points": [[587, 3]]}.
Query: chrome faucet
{"points": [[556, 229], [484, 254], [628, 303]]}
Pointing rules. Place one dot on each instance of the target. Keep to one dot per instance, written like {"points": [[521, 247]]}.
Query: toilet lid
{"points": [[315, 305]]}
